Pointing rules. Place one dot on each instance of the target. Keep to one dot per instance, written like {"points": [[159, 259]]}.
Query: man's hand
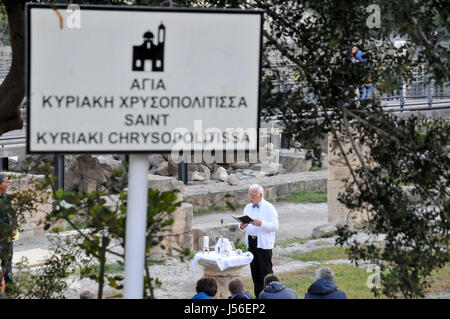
{"points": [[256, 222], [243, 226]]}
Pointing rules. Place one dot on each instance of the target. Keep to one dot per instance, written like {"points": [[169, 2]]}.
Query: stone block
{"points": [[198, 176], [221, 174], [206, 171], [294, 163], [233, 180], [240, 165], [182, 220], [155, 160], [324, 231], [338, 173], [165, 184], [178, 236], [163, 169], [268, 168]]}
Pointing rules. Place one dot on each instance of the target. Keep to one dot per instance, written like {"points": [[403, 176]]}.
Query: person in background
{"points": [[324, 287], [359, 57], [237, 290], [206, 288], [274, 289], [7, 232]]}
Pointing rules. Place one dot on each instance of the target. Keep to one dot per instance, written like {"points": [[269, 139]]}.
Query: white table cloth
{"points": [[224, 262]]}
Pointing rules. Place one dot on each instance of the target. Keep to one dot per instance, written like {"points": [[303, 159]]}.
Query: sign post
{"points": [[139, 80], [136, 226]]}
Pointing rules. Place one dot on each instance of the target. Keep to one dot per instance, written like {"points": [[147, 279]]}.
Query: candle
{"points": [[205, 242]]}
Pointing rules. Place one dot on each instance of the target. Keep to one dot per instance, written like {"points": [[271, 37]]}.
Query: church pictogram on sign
{"points": [[149, 56]]}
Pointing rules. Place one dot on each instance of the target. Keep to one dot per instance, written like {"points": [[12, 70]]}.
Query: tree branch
{"points": [[12, 90]]}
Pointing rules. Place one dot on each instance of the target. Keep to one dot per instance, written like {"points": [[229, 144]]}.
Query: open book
{"points": [[245, 219]]}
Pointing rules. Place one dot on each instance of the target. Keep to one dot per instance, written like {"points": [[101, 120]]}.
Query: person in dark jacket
{"points": [[324, 287], [274, 289], [7, 231], [237, 290], [206, 288]]}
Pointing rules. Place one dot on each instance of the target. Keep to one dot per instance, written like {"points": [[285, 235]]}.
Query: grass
{"points": [[440, 281], [323, 254], [115, 268], [305, 196], [350, 279], [290, 242]]}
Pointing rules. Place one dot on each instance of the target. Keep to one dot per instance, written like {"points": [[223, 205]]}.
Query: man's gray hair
{"points": [[257, 187], [325, 273]]}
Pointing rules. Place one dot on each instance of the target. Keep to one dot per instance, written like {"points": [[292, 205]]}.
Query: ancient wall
{"points": [[339, 177]]}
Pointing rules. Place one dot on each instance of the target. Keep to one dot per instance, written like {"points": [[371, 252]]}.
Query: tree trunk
{"points": [[12, 90]]}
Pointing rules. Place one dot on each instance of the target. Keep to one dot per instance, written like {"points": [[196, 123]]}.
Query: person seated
{"points": [[274, 289], [324, 287], [206, 288], [237, 290]]}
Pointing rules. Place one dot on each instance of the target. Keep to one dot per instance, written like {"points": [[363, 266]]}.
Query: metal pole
{"points": [[402, 97], [59, 171], [430, 97], [136, 226], [4, 166], [183, 172], [285, 140]]}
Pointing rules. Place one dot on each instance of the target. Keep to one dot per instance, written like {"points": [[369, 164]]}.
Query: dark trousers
{"points": [[261, 264]]}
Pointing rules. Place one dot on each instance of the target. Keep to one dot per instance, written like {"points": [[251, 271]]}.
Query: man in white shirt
{"points": [[260, 235]]}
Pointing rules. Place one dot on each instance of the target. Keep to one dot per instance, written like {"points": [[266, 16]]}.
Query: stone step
{"points": [[204, 196]]}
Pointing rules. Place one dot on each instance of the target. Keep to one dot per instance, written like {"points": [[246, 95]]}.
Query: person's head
{"points": [[354, 49], [324, 273], [235, 286], [270, 278], [207, 285], [255, 192]]}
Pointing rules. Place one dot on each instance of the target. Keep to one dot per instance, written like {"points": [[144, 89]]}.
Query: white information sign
{"points": [[129, 79]]}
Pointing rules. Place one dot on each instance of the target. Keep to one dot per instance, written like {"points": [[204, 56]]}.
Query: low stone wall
{"points": [[202, 197]]}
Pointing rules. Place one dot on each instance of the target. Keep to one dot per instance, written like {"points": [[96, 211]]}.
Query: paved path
{"points": [[295, 219]]}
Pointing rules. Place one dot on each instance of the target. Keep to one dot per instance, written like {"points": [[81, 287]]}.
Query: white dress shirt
{"points": [[269, 218]]}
